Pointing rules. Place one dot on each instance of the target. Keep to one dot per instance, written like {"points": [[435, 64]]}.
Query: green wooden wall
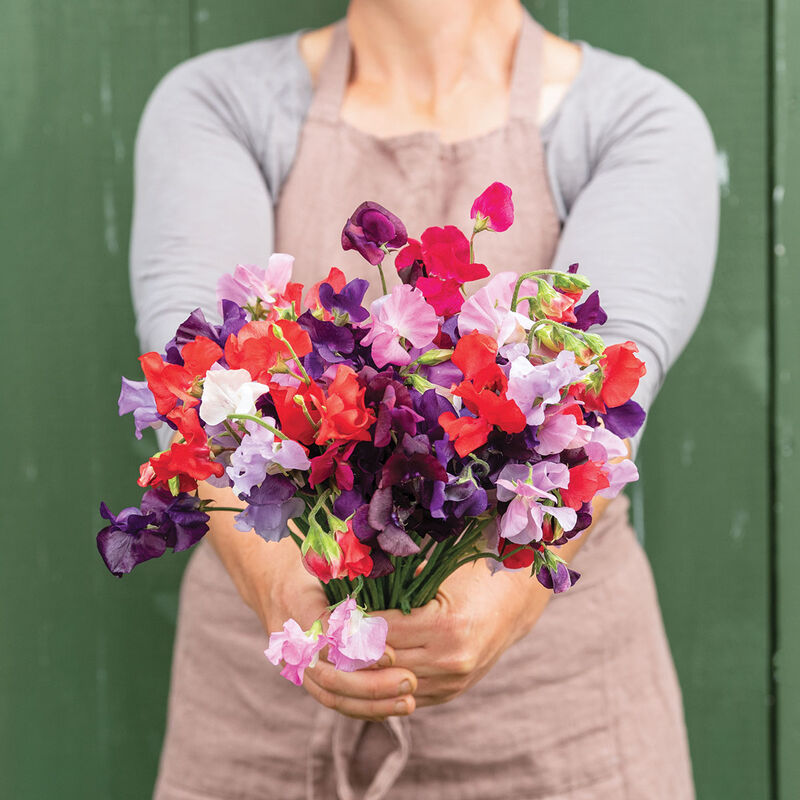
{"points": [[84, 658]]}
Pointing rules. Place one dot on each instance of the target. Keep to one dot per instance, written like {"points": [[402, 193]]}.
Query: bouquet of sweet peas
{"points": [[394, 444]]}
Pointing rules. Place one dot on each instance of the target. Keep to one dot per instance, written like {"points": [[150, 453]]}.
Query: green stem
{"points": [[261, 422], [383, 279], [222, 508], [525, 276], [279, 335]]}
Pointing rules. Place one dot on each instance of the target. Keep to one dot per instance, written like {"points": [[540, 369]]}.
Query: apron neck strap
{"points": [[526, 73]]}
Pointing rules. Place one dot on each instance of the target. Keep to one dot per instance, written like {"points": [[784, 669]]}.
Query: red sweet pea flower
{"points": [[523, 558], [621, 373], [172, 382], [333, 462], [466, 433], [585, 481], [291, 297], [494, 208], [408, 255], [559, 308], [257, 349], [344, 415], [189, 461], [354, 559], [445, 252], [474, 353], [294, 422], [444, 295]]}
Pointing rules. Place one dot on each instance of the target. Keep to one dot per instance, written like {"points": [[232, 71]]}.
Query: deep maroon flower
{"points": [[370, 228], [392, 402]]}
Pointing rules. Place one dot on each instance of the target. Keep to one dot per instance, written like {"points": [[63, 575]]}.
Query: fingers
{"points": [[412, 630], [366, 694]]}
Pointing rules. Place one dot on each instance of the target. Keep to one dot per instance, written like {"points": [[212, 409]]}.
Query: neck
{"points": [[427, 48]]}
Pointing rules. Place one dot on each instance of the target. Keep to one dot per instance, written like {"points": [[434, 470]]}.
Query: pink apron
{"points": [[587, 707]]}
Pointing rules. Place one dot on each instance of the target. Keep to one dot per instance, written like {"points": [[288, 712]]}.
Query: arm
{"points": [[202, 204]]}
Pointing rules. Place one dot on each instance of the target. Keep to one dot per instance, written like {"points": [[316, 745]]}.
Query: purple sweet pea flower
{"points": [[260, 454], [233, 319], [356, 640], [269, 507], [534, 386], [369, 228], [559, 580], [127, 541], [589, 313], [392, 402], [625, 420], [180, 520], [136, 397], [297, 648], [248, 284], [348, 301]]}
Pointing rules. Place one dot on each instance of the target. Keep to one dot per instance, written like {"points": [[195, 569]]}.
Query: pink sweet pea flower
{"points": [[298, 649], [556, 432], [493, 209], [489, 310], [618, 475], [249, 283], [526, 486], [403, 314], [356, 640], [534, 387]]}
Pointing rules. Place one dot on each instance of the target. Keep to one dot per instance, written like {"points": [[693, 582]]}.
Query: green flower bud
{"points": [[433, 357], [570, 283]]}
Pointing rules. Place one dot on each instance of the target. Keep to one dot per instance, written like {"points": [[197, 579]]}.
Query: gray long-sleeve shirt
{"points": [[630, 159]]}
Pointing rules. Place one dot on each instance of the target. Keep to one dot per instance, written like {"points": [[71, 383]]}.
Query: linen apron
{"points": [[587, 706]]}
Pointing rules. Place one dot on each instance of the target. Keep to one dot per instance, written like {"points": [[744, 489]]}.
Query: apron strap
{"points": [[334, 74]]}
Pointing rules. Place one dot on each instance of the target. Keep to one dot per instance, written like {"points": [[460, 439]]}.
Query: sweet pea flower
{"points": [[535, 386], [526, 485], [370, 228], [136, 397], [356, 640], [298, 649], [269, 507], [489, 310], [260, 454], [556, 432], [403, 314], [493, 209], [229, 392], [618, 474], [248, 284]]}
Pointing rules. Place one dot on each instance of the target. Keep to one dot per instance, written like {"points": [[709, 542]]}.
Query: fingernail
{"points": [[401, 707], [405, 687]]}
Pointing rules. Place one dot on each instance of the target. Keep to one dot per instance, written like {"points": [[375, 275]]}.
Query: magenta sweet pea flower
{"points": [[403, 314], [356, 640], [298, 649], [493, 209]]}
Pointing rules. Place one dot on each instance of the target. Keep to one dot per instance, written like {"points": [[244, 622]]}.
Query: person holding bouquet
{"points": [[492, 689]]}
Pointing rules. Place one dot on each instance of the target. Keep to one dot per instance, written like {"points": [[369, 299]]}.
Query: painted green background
{"points": [[84, 659]]}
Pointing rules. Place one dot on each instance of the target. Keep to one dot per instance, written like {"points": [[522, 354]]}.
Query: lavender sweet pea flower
{"points": [[270, 506], [136, 397], [560, 580], [348, 301], [297, 648], [369, 228], [259, 455], [127, 541], [356, 640], [533, 387], [556, 432]]}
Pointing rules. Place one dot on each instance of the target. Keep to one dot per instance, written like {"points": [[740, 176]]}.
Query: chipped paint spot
{"points": [[778, 193], [780, 250], [106, 93], [119, 147], [110, 219], [724, 172], [202, 15], [687, 452], [741, 519]]}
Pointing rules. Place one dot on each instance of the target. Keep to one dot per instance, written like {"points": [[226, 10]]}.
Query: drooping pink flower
{"points": [[298, 649], [249, 283], [403, 314], [356, 640], [489, 310], [493, 209], [526, 486]]}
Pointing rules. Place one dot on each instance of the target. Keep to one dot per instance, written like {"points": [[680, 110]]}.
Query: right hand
{"points": [[273, 582]]}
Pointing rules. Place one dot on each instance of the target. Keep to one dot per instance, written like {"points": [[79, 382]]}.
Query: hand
{"points": [[453, 641]]}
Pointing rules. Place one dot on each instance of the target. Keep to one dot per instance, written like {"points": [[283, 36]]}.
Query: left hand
{"points": [[453, 641]]}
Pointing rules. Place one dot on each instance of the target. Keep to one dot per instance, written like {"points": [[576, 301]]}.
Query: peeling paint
{"points": [[687, 452], [110, 219], [563, 19], [723, 173]]}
